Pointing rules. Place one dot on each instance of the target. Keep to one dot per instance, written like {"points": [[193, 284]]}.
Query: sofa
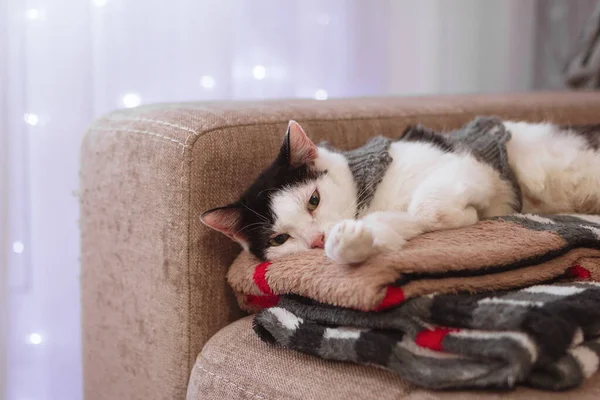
{"points": [[159, 320]]}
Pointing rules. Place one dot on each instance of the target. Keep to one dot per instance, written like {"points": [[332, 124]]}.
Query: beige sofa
{"points": [[159, 321]]}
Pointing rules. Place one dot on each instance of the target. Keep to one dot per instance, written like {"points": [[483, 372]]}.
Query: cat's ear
{"points": [[227, 220], [297, 148]]}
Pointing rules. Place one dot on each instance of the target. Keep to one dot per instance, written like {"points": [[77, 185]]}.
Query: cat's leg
{"points": [[353, 241], [350, 241], [433, 207]]}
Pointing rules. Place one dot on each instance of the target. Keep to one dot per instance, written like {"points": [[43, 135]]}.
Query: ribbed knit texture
{"points": [[486, 138], [368, 165]]}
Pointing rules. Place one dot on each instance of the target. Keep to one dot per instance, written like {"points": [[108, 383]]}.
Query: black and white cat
{"points": [[355, 204]]}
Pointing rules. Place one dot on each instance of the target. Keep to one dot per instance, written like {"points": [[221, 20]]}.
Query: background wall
{"points": [[461, 46], [65, 62]]}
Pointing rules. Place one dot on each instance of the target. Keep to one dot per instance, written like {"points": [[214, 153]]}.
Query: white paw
{"points": [[349, 242]]}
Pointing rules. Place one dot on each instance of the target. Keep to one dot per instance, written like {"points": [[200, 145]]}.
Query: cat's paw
{"points": [[349, 242]]}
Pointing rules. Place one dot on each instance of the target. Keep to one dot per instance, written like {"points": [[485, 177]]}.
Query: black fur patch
{"points": [[419, 133], [591, 134], [257, 217]]}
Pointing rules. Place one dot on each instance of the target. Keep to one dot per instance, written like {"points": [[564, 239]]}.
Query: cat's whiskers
{"points": [[265, 219], [247, 226], [266, 190]]}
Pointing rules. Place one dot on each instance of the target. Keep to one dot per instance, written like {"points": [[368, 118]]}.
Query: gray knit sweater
{"points": [[484, 137]]}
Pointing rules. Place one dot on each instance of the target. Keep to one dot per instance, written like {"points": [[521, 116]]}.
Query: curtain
{"points": [[560, 27], [69, 61], [65, 62], [583, 67]]}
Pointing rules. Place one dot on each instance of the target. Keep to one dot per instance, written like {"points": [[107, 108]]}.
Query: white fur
{"points": [[426, 189], [557, 172]]}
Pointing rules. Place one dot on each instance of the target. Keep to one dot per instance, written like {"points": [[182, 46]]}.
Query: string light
{"points": [[132, 100], [18, 247], [259, 72], [321, 94], [207, 82], [31, 119], [35, 338]]}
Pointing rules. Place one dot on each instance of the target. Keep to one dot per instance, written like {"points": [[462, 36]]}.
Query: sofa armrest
{"points": [[153, 277]]}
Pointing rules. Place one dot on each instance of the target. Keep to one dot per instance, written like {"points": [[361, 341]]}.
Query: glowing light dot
{"points": [[18, 247], [207, 82], [131, 100], [323, 19], [33, 13], [321, 94], [99, 3], [259, 72], [35, 338], [31, 119]]}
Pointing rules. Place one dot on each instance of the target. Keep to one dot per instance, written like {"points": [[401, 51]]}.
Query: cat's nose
{"points": [[318, 241]]}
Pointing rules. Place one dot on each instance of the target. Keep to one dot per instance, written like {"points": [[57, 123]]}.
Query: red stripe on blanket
{"points": [[394, 295], [577, 271], [432, 339], [260, 278], [262, 301]]}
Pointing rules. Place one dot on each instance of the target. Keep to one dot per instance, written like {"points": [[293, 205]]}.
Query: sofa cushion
{"points": [[235, 364]]}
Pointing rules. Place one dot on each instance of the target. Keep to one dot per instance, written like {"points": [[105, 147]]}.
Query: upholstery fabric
{"points": [[235, 364], [153, 277]]}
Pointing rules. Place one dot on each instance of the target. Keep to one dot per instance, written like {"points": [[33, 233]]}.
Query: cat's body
{"points": [[557, 168], [356, 204]]}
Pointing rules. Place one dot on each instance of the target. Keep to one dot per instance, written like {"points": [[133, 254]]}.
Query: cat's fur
{"points": [[430, 184]]}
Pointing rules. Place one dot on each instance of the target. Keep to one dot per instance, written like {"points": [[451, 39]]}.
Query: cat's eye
{"points": [[278, 240], [314, 201]]}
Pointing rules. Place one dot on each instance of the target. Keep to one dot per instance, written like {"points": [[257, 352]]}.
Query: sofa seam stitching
{"points": [[257, 395], [110, 129], [457, 112], [157, 121], [200, 132]]}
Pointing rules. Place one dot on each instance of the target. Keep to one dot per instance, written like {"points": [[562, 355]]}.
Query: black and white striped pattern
{"points": [[546, 336]]}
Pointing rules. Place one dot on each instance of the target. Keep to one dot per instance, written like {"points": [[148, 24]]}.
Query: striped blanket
{"points": [[545, 336], [507, 301]]}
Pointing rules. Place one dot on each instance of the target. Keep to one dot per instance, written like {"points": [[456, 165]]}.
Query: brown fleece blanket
{"points": [[500, 253]]}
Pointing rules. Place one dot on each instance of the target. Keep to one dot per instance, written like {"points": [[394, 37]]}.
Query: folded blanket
{"points": [[496, 254], [545, 336]]}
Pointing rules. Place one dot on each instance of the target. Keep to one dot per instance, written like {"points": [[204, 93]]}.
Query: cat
{"points": [[359, 203]]}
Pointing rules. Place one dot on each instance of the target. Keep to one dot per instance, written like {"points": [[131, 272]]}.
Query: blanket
{"points": [[545, 336], [496, 254]]}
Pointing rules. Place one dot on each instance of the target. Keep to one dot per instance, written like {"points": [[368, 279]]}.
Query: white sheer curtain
{"points": [[65, 62]]}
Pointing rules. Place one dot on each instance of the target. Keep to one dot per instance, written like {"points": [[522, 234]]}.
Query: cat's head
{"points": [[293, 204]]}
